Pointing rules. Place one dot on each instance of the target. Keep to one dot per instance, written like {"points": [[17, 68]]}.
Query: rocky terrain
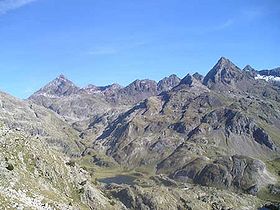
{"points": [[200, 142]]}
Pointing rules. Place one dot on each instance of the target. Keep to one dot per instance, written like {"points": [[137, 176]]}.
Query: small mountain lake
{"points": [[269, 207], [119, 179]]}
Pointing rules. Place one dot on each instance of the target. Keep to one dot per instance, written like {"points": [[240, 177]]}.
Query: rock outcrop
{"points": [[168, 83], [223, 74], [238, 172]]}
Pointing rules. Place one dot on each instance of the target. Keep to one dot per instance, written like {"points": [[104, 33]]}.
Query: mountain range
{"points": [[199, 142]]}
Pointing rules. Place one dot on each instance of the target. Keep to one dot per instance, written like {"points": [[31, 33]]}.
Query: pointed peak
{"points": [[60, 86], [223, 61], [173, 76], [198, 76], [187, 76], [187, 80], [167, 83], [190, 82], [224, 72], [61, 76], [141, 85], [248, 68], [223, 58]]}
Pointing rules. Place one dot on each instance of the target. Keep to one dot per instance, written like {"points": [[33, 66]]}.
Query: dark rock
{"points": [[235, 122], [168, 83], [236, 172], [100, 162], [179, 127], [253, 190], [214, 175], [198, 76], [272, 72], [224, 73], [249, 68], [126, 196], [10, 167], [190, 171], [189, 80], [270, 206], [273, 189]]}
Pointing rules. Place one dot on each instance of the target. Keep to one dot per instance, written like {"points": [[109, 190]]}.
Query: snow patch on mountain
{"points": [[268, 78]]}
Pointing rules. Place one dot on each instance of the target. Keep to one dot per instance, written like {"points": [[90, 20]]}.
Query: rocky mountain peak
{"points": [[110, 89], [143, 85], [135, 91], [198, 76], [61, 86], [168, 83], [224, 72], [188, 80], [248, 68], [250, 71], [61, 77], [224, 63]]}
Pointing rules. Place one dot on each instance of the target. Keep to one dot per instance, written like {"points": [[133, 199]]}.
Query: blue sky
{"points": [[106, 41]]}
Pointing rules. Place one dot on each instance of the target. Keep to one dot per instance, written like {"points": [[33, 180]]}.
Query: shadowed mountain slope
{"points": [[181, 128]]}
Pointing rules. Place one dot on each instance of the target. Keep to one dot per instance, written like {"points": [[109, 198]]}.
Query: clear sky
{"points": [[107, 41]]}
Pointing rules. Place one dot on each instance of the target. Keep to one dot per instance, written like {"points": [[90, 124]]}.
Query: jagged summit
{"points": [[60, 86], [192, 83], [168, 83], [224, 63], [223, 60], [110, 89], [107, 90], [224, 72], [198, 76], [248, 68], [62, 76], [142, 85], [188, 80]]}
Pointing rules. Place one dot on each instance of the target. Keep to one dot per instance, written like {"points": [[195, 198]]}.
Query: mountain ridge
{"points": [[195, 137], [61, 84]]}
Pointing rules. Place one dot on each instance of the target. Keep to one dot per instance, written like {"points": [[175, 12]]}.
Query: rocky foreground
{"points": [[200, 142]]}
